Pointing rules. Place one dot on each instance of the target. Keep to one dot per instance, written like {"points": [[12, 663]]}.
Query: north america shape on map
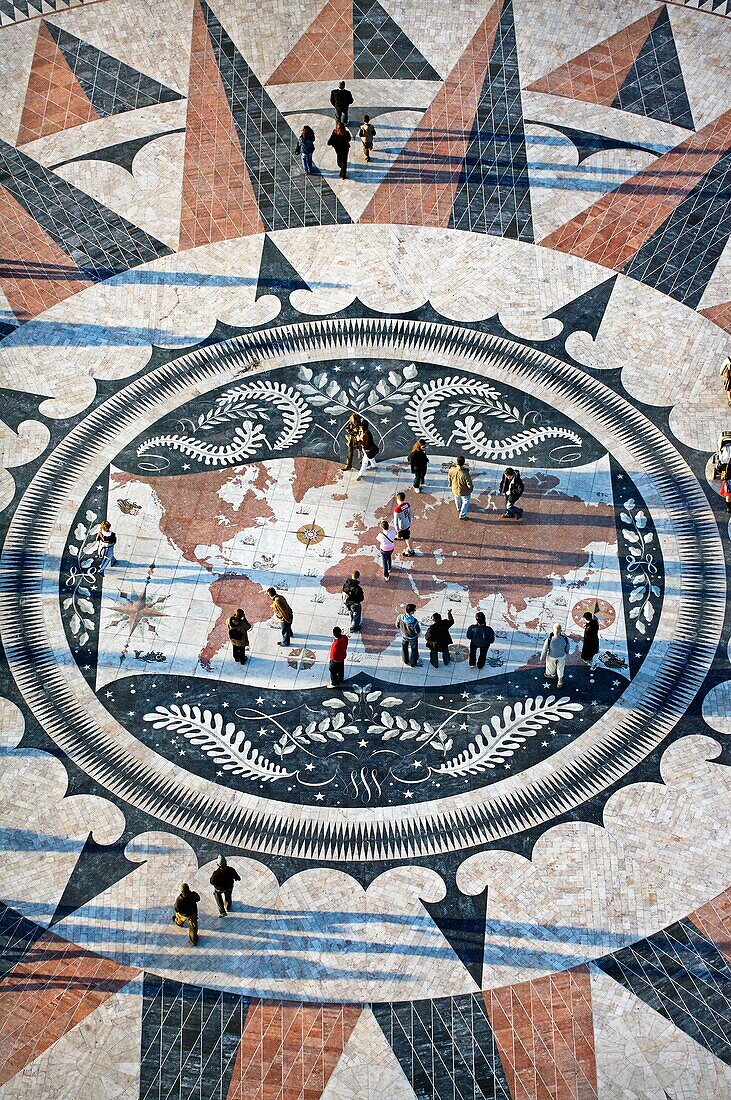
{"points": [[192, 548]]}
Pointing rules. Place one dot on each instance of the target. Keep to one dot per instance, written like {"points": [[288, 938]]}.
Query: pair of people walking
{"points": [[185, 907], [359, 437]]}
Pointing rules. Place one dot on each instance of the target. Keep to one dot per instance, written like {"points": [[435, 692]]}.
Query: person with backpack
{"points": [[368, 446], [409, 630], [238, 633], [366, 134], [555, 651], [480, 636], [402, 522], [438, 639], [512, 488], [341, 99], [418, 463], [460, 482], [222, 880], [106, 540], [353, 597]]}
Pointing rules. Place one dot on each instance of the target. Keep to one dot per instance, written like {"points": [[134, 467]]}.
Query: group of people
{"points": [[185, 907], [341, 99]]}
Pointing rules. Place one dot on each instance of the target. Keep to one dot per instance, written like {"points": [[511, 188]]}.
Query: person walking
{"points": [[418, 463], [238, 633], [306, 149], [338, 652], [106, 540], [726, 486], [460, 482], [185, 910], [341, 99], [409, 630], [590, 643], [366, 134], [402, 515], [555, 651], [480, 636], [340, 140], [352, 439], [386, 539], [283, 612], [369, 447], [353, 595], [438, 639], [512, 488], [222, 880]]}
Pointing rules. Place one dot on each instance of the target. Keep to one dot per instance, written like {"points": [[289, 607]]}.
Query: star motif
{"points": [[309, 767], [186, 465], [616, 683], [409, 794], [362, 744], [181, 752], [499, 698], [261, 731], [224, 706], [544, 744], [465, 694], [178, 695], [319, 797], [593, 703], [219, 774], [416, 764], [331, 421], [463, 725], [108, 694], [533, 459], [130, 714], [508, 766], [260, 699]]}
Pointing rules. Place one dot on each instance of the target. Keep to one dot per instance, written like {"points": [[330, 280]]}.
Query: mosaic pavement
{"points": [[456, 883]]}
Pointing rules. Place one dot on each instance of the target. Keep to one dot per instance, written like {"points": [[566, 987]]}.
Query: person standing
{"points": [[306, 149], [366, 134], [480, 636], [341, 99], [438, 639], [354, 596], [460, 482], [386, 539], [512, 488], [340, 141], [106, 540], [726, 486], [402, 516], [418, 463], [369, 447], [555, 651], [238, 633], [352, 436], [338, 652], [185, 910], [409, 629], [222, 880], [590, 643], [283, 612]]}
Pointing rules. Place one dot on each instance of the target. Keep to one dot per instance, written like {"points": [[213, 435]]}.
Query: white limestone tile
{"points": [[587, 890], [158, 118], [153, 36], [12, 725], [373, 92], [595, 118], [717, 708], [265, 32], [98, 1057], [17, 448], [368, 1069], [149, 197], [641, 1055], [442, 32], [703, 43], [718, 289], [17, 46]]}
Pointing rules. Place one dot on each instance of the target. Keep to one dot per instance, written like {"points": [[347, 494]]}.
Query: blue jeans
{"points": [[410, 651], [307, 163], [108, 558], [386, 559], [462, 504], [356, 615], [286, 629]]}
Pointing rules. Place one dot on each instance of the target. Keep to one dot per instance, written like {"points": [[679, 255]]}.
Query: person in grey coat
{"points": [[409, 629], [555, 651]]}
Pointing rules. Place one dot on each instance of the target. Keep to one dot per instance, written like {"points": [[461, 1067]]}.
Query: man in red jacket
{"points": [[338, 650]]}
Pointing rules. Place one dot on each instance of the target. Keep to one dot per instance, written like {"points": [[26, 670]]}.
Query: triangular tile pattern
{"points": [[683, 976], [654, 86], [461, 918], [218, 201], [368, 1069], [285, 196], [720, 7], [48, 988], [420, 185], [493, 195], [111, 86], [613, 229], [21, 10], [100, 242], [597, 75], [190, 1039], [289, 1051], [544, 1032], [446, 1047], [276, 274], [55, 100], [325, 50], [713, 920], [681, 256], [39, 274], [382, 50], [719, 314]]}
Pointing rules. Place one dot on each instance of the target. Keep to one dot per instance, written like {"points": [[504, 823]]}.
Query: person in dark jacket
{"points": [[222, 880], [353, 595], [418, 462], [512, 488], [185, 910], [341, 99], [340, 140], [590, 645], [352, 439], [438, 639], [306, 147], [238, 632], [480, 636]]}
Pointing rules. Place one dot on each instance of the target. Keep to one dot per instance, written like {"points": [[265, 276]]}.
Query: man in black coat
{"points": [[222, 881], [438, 639], [185, 910], [512, 488], [353, 595], [341, 99]]}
